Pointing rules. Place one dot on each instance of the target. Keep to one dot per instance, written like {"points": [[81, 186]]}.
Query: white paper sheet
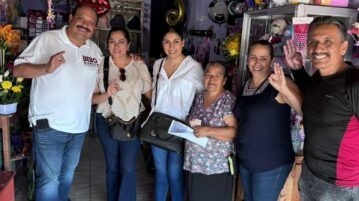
{"points": [[181, 130]]}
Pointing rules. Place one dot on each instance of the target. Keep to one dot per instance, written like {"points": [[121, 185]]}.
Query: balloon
{"points": [[218, 11], [175, 17], [231, 46]]}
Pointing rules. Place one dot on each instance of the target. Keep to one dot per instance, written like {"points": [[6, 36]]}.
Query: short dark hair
{"points": [[263, 43], [217, 63], [119, 29], [83, 6], [328, 20]]}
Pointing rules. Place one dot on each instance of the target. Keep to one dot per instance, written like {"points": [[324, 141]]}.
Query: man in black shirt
{"points": [[330, 168]]}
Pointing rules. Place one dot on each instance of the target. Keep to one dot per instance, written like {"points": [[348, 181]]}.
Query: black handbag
{"points": [[155, 130], [123, 130], [120, 129]]}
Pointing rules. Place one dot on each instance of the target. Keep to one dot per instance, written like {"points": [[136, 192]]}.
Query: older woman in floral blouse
{"points": [[211, 116]]}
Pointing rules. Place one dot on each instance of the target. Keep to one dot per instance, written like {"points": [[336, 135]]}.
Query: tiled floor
{"points": [[89, 180]]}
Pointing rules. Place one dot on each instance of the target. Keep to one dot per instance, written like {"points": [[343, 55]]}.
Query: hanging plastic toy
{"points": [[50, 13]]}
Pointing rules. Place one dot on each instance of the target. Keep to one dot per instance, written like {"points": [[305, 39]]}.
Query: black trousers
{"points": [[216, 187]]}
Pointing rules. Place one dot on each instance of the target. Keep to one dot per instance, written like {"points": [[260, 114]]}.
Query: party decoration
{"points": [[336, 3], [300, 28], [218, 12], [231, 46], [236, 8], [101, 6], [175, 16], [50, 13]]}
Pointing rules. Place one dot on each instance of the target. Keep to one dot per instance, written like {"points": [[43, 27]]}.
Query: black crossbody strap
{"points": [[106, 67], [157, 76]]}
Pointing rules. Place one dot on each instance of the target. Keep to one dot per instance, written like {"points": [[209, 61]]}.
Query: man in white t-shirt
{"points": [[63, 65]]}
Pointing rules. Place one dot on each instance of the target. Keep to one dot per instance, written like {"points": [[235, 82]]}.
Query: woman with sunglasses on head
{"points": [[128, 79], [180, 78]]}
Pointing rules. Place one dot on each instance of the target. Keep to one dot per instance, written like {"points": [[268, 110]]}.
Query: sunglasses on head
{"points": [[122, 75]]}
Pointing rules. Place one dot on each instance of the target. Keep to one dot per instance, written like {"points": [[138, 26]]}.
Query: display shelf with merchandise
{"points": [[257, 23]]}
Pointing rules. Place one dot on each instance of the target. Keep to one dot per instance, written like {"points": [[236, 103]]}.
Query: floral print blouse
{"points": [[211, 159]]}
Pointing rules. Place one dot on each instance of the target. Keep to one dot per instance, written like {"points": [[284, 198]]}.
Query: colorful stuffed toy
{"points": [[275, 37]]}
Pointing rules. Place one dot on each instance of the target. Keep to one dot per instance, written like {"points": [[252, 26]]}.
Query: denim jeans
{"points": [[259, 186], [168, 173], [56, 156], [121, 163], [312, 188]]}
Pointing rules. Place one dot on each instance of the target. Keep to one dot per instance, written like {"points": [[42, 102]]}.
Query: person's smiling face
{"points": [[118, 44], [326, 48], [214, 78], [259, 60], [172, 44], [82, 25]]}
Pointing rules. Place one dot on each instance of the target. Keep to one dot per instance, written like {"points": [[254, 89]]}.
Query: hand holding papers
{"points": [[181, 130]]}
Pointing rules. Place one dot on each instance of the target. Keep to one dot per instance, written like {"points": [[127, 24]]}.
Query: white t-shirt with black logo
{"points": [[64, 96]]}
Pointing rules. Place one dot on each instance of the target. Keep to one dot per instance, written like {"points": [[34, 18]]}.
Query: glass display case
{"points": [[257, 24]]}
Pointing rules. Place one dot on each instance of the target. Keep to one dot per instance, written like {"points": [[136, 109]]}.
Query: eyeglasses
{"points": [[122, 75]]}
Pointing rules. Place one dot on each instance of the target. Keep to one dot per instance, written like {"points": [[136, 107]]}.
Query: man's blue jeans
{"points": [[259, 186], [121, 163], [56, 157], [168, 173], [312, 188]]}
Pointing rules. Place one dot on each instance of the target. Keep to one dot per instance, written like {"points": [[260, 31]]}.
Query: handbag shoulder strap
{"points": [[157, 76], [106, 68]]}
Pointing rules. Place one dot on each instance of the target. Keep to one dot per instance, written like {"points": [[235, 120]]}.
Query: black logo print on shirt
{"points": [[90, 61]]}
